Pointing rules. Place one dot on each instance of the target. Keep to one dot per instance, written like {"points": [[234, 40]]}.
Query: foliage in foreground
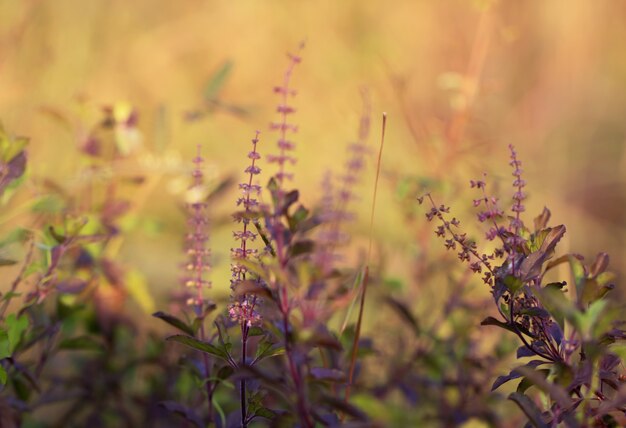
{"points": [[288, 349]]}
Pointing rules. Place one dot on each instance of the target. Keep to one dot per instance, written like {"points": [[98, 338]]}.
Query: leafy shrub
{"points": [[571, 346]]}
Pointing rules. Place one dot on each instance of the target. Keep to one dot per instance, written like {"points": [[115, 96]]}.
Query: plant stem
{"points": [[242, 385], [293, 370], [209, 389]]}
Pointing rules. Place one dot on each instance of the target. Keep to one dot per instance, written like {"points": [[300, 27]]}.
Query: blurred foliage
{"points": [[114, 98]]}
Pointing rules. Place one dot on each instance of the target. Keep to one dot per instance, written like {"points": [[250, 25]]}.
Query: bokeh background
{"points": [[459, 79]]}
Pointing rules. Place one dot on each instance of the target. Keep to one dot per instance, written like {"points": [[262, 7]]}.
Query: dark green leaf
{"points": [[514, 374], [539, 379], [267, 349], [173, 321], [299, 215], [497, 323], [305, 246], [405, 313], [264, 412], [512, 284], [289, 199], [255, 331], [535, 312], [201, 346], [529, 408]]}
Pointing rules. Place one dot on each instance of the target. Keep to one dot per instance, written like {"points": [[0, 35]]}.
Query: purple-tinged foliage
{"points": [[571, 338]]}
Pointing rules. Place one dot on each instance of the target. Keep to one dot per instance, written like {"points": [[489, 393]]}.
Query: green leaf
{"points": [[3, 375], [15, 328], [578, 272], [217, 80], [529, 408], [220, 411], [539, 378], [554, 300], [48, 204], [201, 346], [303, 246], [264, 412], [9, 295], [299, 215], [255, 331], [587, 320], [4, 345], [267, 349], [513, 284], [176, 322]]}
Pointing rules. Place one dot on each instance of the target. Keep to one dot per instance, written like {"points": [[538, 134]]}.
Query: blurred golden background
{"points": [[459, 79]]}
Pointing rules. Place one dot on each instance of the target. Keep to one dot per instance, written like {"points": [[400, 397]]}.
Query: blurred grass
{"points": [[460, 80]]}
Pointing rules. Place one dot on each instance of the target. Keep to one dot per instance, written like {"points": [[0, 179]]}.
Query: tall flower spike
{"points": [[518, 184], [335, 216], [198, 263], [243, 308], [283, 126]]}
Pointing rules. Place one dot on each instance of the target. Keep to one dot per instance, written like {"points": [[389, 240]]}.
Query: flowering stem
{"points": [[244, 345]]}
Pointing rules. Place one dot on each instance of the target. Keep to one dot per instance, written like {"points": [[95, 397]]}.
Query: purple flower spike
{"points": [[198, 263], [283, 126], [243, 308]]}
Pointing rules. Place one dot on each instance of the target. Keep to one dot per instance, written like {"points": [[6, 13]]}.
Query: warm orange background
{"points": [[460, 80]]}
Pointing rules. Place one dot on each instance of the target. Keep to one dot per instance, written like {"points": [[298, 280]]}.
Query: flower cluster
{"points": [[245, 311], [518, 197], [467, 249]]}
